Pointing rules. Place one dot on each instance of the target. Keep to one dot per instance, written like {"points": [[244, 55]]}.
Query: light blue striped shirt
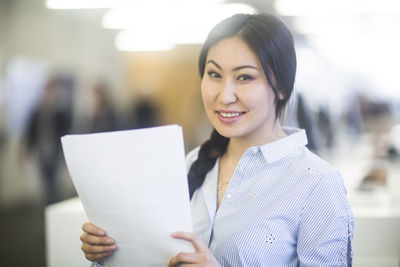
{"points": [[284, 206]]}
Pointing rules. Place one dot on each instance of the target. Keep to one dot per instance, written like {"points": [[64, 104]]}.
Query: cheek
{"points": [[206, 94], [262, 100]]}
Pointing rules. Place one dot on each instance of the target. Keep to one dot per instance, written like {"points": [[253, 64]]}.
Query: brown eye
{"points": [[213, 75], [245, 77]]}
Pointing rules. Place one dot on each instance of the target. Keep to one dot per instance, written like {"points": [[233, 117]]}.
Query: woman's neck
{"points": [[237, 146]]}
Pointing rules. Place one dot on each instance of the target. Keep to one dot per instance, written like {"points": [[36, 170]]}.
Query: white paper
{"points": [[133, 184]]}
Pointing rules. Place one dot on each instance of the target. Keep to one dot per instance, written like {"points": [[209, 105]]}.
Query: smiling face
{"points": [[237, 98]]}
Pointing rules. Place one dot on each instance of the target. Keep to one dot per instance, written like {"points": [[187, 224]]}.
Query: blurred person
{"points": [[2, 145], [325, 126], [300, 115], [103, 119], [48, 122], [354, 118], [393, 146], [259, 197], [373, 108], [145, 113], [306, 120]]}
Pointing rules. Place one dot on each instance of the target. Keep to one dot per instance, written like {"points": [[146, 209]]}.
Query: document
{"points": [[133, 184]]}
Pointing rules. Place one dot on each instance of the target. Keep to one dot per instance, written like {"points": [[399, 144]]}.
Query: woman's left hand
{"points": [[202, 256]]}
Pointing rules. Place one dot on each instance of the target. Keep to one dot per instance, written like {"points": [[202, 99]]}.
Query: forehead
{"points": [[233, 52]]}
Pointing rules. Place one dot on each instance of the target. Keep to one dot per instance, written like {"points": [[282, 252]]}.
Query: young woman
{"points": [[259, 197]]}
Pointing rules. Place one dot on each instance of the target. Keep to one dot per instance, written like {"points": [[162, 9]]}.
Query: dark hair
{"points": [[271, 40]]}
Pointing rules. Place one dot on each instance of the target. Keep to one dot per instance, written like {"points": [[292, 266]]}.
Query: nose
{"points": [[227, 93]]}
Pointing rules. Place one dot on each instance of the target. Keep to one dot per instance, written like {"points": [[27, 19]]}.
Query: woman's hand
{"points": [[95, 244], [202, 256]]}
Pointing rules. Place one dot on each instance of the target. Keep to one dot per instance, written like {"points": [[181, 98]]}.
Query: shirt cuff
{"points": [[96, 264]]}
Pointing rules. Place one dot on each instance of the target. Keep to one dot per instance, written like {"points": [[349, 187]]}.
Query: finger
{"points": [[173, 262], [177, 261], [90, 228], [97, 257], [90, 249], [193, 238], [184, 257], [96, 240]]}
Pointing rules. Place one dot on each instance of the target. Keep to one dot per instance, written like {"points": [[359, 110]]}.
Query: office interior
{"points": [[77, 67]]}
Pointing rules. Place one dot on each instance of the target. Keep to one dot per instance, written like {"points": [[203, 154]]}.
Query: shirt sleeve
{"points": [[191, 157], [326, 225]]}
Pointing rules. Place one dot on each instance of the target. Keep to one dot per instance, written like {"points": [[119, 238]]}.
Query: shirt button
{"points": [[228, 196], [255, 150]]}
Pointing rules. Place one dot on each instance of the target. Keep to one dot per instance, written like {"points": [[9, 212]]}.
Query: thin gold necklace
{"points": [[221, 182], [220, 185]]}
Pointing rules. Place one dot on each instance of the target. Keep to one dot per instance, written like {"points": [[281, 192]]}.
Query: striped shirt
{"points": [[284, 206]]}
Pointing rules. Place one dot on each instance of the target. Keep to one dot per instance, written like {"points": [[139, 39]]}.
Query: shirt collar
{"points": [[280, 148]]}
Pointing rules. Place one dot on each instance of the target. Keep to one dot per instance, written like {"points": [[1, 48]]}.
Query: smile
{"points": [[230, 115]]}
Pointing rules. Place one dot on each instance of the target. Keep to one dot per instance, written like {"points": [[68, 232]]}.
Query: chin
{"points": [[228, 133]]}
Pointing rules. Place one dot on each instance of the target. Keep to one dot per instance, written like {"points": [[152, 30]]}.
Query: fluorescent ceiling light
{"points": [[336, 7], [125, 42], [316, 7], [169, 26], [168, 17], [158, 24], [153, 39], [341, 25], [85, 4], [91, 4], [312, 25]]}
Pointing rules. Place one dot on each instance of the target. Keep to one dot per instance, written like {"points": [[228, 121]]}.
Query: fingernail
{"points": [[110, 248], [109, 241], [100, 232]]}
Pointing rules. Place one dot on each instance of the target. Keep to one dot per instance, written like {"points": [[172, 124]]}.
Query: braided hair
{"points": [[271, 40]]}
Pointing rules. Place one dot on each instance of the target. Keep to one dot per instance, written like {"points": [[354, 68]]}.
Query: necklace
{"points": [[221, 185]]}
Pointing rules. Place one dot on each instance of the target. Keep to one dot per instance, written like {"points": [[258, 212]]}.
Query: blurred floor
{"points": [[22, 236], [22, 204]]}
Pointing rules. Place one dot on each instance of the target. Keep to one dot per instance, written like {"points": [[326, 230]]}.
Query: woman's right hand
{"points": [[95, 243]]}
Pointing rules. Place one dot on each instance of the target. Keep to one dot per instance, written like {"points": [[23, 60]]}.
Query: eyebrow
{"points": [[234, 69]]}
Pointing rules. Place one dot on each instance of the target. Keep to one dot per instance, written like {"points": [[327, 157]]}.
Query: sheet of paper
{"points": [[133, 184]]}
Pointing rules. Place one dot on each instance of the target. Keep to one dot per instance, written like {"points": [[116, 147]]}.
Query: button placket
{"points": [[239, 171], [233, 184]]}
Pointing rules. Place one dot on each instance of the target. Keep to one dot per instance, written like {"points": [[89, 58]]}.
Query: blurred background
{"points": [[69, 67]]}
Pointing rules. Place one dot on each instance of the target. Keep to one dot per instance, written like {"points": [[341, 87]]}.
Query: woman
{"points": [[259, 197]]}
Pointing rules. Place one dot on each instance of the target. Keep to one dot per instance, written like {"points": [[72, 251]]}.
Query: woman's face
{"points": [[236, 95]]}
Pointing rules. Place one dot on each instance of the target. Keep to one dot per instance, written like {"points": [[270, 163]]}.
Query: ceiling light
{"points": [[169, 26], [172, 16], [91, 4], [125, 41], [336, 7]]}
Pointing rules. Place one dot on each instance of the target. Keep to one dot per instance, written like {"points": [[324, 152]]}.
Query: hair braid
{"points": [[208, 154]]}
